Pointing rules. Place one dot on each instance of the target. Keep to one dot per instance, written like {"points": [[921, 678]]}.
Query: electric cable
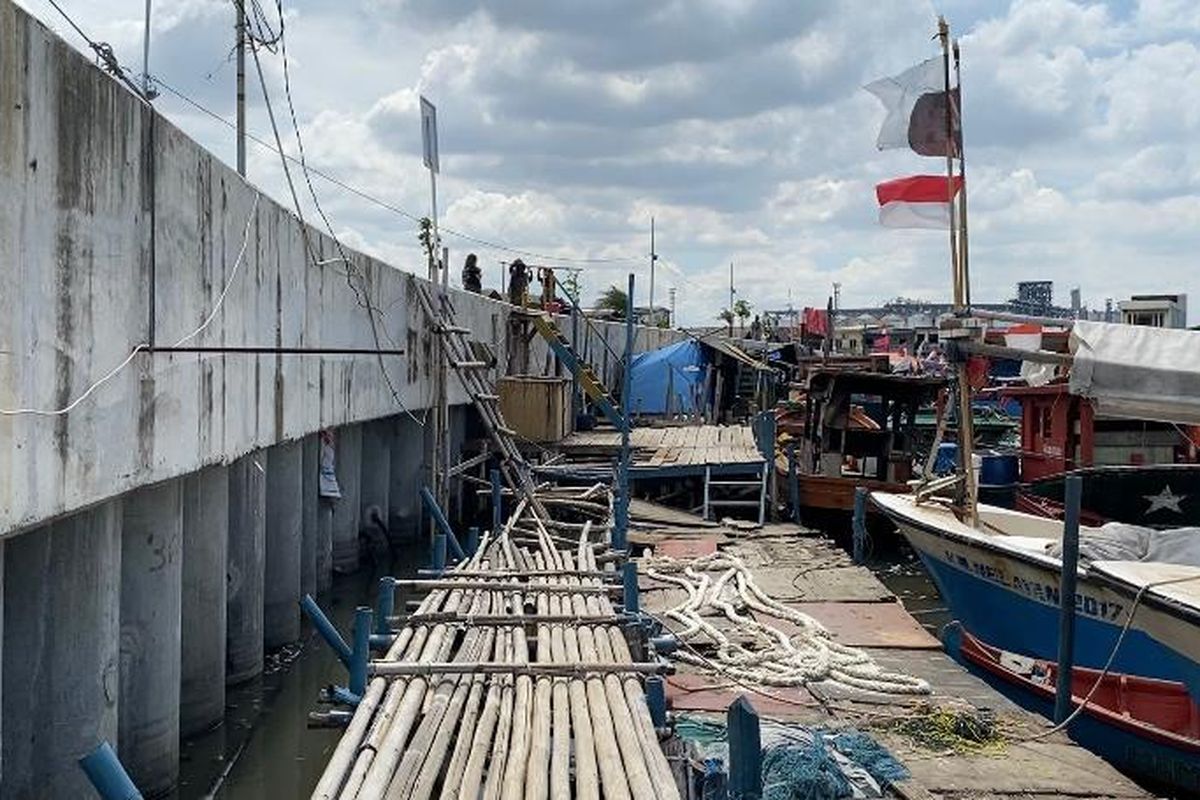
{"points": [[69, 407], [359, 296], [384, 204]]}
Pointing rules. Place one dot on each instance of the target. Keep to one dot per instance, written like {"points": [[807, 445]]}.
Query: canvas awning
{"points": [[1137, 372]]}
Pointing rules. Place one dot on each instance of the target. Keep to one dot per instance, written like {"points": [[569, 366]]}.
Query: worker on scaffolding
{"points": [[518, 282], [549, 290], [472, 276]]}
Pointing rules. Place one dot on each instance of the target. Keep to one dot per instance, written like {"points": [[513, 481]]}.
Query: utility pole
{"points": [[147, 90], [241, 87], [731, 287], [653, 258]]}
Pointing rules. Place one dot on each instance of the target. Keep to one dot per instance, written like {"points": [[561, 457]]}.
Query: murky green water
{"points": [[264, 749]]}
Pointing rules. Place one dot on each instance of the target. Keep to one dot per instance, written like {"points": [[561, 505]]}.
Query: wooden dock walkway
{"points": [[806, 572], [689, 448]]}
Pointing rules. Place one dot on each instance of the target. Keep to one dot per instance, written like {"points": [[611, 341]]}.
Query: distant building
{"points": [[1155, 310], [659, 316]]}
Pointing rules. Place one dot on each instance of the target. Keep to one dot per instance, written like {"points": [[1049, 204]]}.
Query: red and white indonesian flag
{"points": [[921, 201]]}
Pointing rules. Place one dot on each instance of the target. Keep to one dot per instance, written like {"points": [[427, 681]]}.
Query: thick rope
{"points": [[776, 659]]}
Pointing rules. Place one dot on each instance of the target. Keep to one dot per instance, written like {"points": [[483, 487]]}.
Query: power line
{"points": [[104, 54], [384, 204], [360, 297]]}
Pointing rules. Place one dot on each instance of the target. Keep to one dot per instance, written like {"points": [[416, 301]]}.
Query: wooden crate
{"points": [[537, 408]]}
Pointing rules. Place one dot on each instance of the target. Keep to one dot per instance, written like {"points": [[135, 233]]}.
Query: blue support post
{"points": [[745, 751], [443, 524], [629, 577], [859, 525], [385, 606], [438, 556], [362, 651], [472, 540], [107, 775], [793, 483], [1066, 602], [621, 504], [326, 628], [664, 644], [656, 699], [497, 503]]}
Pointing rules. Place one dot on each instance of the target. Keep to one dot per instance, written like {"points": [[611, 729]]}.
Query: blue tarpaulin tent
{"points": [[670, 380]]}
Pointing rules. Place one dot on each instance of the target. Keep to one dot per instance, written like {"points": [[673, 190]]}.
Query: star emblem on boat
{"points": [[1165, 500]]}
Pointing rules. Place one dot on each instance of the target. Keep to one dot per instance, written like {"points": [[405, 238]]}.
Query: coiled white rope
{"points": [[775, 659]]}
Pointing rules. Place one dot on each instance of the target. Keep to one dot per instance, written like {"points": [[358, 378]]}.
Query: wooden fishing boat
{"points": [[1147, 727], [858, 431], [999, 581]]}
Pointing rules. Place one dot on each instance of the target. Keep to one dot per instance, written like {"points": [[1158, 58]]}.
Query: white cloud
{"points": [[740, 126]]}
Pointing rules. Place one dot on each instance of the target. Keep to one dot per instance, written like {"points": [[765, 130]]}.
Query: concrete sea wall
{"points": [[167, 524]]}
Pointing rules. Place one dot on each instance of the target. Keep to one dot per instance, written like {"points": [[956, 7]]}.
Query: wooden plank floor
{"points": [[814, 575], [682, 446]]}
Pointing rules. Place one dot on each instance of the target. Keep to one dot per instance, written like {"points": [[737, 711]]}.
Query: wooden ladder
{"points": [[460, 357]]}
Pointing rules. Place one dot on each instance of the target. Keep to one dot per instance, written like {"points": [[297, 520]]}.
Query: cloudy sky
{"points": [[740, 125]]}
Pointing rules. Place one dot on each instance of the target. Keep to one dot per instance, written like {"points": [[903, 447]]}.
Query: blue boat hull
{"points": [[1012, 603]]}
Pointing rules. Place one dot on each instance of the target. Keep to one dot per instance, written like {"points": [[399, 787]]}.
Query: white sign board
{"points": [[429, 142]]}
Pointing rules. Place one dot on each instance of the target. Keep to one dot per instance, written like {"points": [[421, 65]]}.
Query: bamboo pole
{"points": [[499, 751], [427, 749], [663, 778], [390, 748], [484, 733], [346, 752], [518, 745], [537, 783], [613, 779], [595, 649]]}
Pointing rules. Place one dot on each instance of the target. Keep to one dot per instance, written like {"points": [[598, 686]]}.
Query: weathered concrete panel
{"points": [[116, 230]]}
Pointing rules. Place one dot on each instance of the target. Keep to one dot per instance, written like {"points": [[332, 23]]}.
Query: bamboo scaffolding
{"points": [[511, 681]]}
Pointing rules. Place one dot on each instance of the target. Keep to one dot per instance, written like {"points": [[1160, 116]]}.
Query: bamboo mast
{"points": [[966, 431]]}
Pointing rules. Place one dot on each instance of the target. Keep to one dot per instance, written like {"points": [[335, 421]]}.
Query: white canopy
{"points": [[1137, 372]]}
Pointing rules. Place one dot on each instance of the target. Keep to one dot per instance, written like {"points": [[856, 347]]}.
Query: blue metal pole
{"points": [[385, 605], [472, 540], [326, 628], [107, 775], [656, 699], [1066, 599], [745, 750], [793, 483], [859, 524], [497, 500], [629, 577], [435, 511], [621, 506], [362, 651]]}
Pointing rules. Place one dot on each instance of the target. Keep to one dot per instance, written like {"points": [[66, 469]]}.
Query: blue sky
{"points": [[740, 125]]}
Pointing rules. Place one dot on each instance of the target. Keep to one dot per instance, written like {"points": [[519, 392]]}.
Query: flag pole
{"points": [[966, 428], [955, 272], [962, 174]]}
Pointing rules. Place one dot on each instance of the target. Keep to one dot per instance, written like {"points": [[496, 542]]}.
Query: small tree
{"points": [[425, 237], [613, 300], [726, 316], [742, 310]]}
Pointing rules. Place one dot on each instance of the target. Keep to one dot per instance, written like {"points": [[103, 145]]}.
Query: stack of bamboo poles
{"points": [[563, 718]]}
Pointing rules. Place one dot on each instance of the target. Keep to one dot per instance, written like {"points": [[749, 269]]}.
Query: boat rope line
{"points": [[1137, 601], [776, 658]]}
